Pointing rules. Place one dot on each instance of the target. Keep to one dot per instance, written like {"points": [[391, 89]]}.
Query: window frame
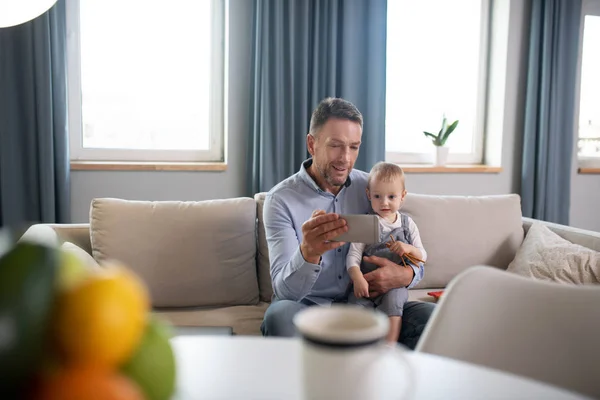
{"points": [[588, 7], [217, 98], [478, 143]]}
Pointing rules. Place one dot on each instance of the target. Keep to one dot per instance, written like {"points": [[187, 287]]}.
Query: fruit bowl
{"points": [[70, 332]]}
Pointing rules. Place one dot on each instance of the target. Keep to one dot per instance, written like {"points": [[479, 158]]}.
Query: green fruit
{"points": [[71, 271], [152, 366], [27, 275]]}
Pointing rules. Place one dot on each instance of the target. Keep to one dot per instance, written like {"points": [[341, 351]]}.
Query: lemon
{"points": [[100, 321]]}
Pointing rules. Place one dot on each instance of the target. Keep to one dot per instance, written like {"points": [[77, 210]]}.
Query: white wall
{"points": [[585, 201], [186, 185]]}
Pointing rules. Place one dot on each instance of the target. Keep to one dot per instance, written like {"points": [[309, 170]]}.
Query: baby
{"points": [[399, 241]]}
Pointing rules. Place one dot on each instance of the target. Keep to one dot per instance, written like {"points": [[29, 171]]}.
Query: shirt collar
{"points": [[310, 181]]}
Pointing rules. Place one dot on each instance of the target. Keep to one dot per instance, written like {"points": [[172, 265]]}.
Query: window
{"points": [[436, 65], [588, 144], [146, 81]]}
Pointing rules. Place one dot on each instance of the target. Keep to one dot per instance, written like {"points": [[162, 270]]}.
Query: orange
{"points": [[100, 321], [88, 384]]}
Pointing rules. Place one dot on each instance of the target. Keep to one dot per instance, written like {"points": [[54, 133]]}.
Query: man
{"points": [[301, 216]]}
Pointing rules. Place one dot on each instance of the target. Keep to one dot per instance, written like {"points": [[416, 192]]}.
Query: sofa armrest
{"points": [[56, 234], [589, 239]]}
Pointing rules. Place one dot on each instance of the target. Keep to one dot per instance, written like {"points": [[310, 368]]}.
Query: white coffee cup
{"points": [[344, 355]]}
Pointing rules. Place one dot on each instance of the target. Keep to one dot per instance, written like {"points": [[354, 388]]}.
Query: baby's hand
{"points": [[399, 248], [361, 288]]}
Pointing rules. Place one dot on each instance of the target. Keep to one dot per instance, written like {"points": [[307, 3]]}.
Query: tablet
{"points": [[362, 228]]}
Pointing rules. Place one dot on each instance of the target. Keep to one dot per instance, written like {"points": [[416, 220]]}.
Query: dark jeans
{"points": [[279, 316]]}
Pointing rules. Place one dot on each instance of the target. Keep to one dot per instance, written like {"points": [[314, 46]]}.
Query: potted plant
{"points": [[440, 139]]}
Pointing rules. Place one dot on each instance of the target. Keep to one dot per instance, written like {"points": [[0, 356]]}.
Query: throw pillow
{"points": [[546, 256]]}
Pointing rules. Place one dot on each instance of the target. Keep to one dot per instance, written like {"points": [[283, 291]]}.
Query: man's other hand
{"points": [[317, 233], [388, 276]]}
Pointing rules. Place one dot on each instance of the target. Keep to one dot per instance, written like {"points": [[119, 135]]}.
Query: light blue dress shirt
{"points": [[287, 206]]}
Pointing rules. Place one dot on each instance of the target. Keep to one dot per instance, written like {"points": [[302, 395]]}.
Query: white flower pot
{"points": [[441, 155]]}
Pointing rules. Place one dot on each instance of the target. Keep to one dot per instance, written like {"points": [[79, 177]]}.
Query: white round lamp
{"points": [[15, 12]]}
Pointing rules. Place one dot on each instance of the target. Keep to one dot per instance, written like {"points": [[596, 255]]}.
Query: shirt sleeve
{"points": [[291, 276], [354, 257], [415, 238]]}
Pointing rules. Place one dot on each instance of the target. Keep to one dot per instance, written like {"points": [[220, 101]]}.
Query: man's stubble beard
{"points": [[329, 179]]}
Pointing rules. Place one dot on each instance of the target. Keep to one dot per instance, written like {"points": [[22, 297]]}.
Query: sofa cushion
{"points": [[544, 255], [188, 253], [462, 231], [245, 320], [262, 259]]}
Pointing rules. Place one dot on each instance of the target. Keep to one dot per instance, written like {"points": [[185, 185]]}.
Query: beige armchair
{"points": [[546, 331]]}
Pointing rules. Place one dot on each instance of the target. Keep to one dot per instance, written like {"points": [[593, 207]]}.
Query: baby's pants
{"points": [[390, 303]]}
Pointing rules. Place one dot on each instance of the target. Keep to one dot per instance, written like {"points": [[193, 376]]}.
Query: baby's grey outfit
{"points": [[392, 302]]}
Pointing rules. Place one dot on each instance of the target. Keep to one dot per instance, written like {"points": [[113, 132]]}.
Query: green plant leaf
{"points": [[450, 129], [434, 138]]}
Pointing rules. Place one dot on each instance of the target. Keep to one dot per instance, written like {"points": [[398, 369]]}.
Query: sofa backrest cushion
{"points": [[188, 253], [462, 231], [262, 258]]}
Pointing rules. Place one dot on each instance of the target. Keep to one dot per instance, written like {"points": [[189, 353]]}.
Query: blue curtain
{"points": [[548, 135], [304, 51], [34, 158]]}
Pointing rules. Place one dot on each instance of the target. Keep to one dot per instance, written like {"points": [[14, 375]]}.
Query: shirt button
{"points": [[339, 250], [316, 270], [336, 200], [339, 277]]}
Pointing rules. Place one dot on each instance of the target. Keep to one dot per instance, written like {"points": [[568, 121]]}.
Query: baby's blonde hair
{"points": [[385, 172]]}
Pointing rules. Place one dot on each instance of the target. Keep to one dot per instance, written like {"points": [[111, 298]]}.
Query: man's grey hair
{"points": [[332, 107]]}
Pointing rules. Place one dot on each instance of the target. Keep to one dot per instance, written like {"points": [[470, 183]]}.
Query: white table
{"points": [[212, 367]]}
